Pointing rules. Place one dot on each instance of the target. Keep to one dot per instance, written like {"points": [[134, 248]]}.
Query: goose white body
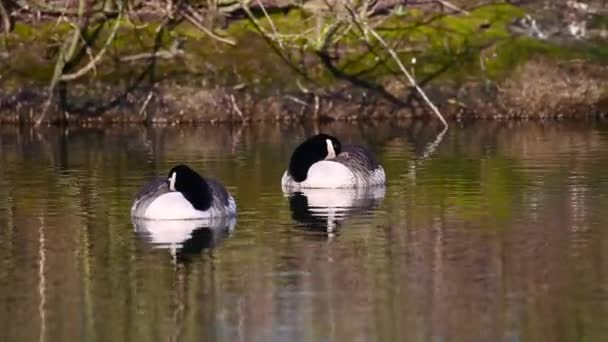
{"points": [[334, 175], [174, 206]]}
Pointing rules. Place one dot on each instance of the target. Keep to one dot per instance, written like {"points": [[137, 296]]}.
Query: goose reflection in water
{"points": [[323, 210], [184, 238]]}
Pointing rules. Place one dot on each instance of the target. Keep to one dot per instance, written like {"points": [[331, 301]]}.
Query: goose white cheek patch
{"points": [[331, 153], [172, 181]]}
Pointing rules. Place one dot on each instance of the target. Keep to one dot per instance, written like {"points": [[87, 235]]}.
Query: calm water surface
{"points": [[499, 234]]}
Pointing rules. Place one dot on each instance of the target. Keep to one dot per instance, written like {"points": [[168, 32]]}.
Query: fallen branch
{"points": [[365, 29], [410, 78]]}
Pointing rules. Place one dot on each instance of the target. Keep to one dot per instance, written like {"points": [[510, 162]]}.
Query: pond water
{"points": [[498, 233]]}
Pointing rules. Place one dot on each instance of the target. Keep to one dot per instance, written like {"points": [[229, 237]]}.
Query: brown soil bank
{"points": [[539, 89], [542, 88]]}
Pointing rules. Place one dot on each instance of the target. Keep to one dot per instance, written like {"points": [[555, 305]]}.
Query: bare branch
{"points": [[171, 53], [43, 8], [453, 7], [142, 110], [194, 18], [6, 20], [272, 42], [366, 29], [65, 54], [274, 29], [235, 107], [409, 76], [97, 58]]}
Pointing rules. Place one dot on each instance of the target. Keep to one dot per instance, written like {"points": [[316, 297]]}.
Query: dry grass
{"points": [[544, 88]]}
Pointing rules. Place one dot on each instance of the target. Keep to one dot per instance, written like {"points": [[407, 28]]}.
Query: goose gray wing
{"points": [[218, 191], [153, 188], [357, 158], [148, 193]]}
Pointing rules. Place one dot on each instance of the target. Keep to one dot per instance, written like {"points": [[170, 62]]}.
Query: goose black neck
{"points": [[312, 150], [192, 186]]}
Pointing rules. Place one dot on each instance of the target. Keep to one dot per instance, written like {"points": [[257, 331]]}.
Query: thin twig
{"points": [[193, 17], [453, 7], [146, 102], [42, 8], [296, 100], [282, 53], [236, 107], [97, 58], [409, 77], [171, 53], [315, 114], [65, 54], [366, 29], [6, 20], [274, 29]]}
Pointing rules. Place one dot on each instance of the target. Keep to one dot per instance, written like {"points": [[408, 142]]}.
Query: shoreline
{"points": [[483, 71]]}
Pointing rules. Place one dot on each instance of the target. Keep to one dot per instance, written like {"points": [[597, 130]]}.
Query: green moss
{"points": [[444, 47], [25, 32], [459, 47]]}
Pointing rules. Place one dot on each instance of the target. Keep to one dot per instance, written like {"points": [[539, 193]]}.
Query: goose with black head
{"points": [[184, 194], [323, 162]]}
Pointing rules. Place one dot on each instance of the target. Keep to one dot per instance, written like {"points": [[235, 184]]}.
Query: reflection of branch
{"points": [[430, 148], [42, 279], [428, 151], [180, 291]]}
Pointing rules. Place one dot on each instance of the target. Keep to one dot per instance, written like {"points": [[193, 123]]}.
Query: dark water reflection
{"points": [[323, 210], [499, 235], [184, 238]]}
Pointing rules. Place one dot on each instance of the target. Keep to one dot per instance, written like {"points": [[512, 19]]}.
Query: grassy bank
{"points": [[287, 63]]}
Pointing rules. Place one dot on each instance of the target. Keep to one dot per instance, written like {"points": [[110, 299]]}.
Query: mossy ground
{"points": [[439, 49]]}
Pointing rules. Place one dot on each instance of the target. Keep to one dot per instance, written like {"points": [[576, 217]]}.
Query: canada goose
{"points": [[183, 195], [322, 162]]}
